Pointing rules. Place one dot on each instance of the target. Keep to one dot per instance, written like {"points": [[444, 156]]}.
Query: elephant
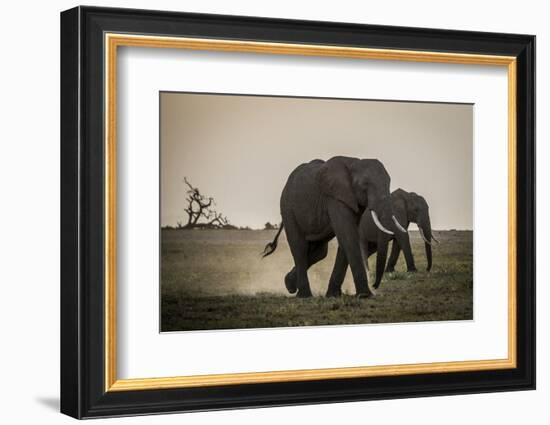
{"points": [[326, 199], [408, 207]]}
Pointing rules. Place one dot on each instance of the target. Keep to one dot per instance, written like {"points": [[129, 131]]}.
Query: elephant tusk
{"points": [[424, 237], [398, 224], [378, 224], [434, 239]]}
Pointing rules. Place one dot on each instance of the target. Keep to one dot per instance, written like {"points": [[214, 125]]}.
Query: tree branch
{"points": [[199, 206]]}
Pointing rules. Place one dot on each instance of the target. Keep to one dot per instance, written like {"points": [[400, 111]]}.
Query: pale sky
{"points": [[241, 149]]}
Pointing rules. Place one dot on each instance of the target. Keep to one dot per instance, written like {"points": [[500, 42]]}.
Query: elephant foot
{"points": [[290, 282], [334, 293], [367, 294], [390, 270], [334, 290], [412, 269], [304, 293]]}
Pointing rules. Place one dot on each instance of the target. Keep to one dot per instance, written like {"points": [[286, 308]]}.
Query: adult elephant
{"points": [[325, 199], [408, 207]]}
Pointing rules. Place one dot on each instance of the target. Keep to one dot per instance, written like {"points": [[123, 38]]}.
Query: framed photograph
{"points": [[261, 212]]}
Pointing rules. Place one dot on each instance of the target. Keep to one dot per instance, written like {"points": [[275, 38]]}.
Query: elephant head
{"points": [[359, 184], [417, 211]]}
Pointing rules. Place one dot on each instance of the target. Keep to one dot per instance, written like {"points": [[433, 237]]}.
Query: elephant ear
{"points": [[335, 181], [400, 196], [400, 203]]}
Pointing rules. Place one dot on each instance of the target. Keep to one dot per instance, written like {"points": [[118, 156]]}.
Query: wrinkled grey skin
{"points": [[408, 207], [322, 200]]}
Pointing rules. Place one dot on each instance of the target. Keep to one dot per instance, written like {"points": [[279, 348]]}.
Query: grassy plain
{"points": [[216, 279]]}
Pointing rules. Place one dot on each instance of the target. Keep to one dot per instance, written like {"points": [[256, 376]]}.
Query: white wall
{"points": [[29, 217]]}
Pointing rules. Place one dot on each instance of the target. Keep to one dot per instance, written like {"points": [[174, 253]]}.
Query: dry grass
{"points": [[216, 279]]}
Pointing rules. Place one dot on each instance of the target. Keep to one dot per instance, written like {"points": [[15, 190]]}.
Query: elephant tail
{"points": [[272, 246]]}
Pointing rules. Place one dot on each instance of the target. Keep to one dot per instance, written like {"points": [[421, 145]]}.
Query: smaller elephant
{"points": [[408, 207]]}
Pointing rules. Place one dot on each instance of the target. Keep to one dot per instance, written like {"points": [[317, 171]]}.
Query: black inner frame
{"points": [[82, 212]]}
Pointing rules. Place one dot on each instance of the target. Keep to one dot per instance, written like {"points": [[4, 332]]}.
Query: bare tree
{"points": [[200, 207], [217, 220]]}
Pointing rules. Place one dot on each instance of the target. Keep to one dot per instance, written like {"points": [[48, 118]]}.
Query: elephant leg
{"points": [[405, 243], [344, 223], [316, 252], [395, 251], [299, 248], [290, 281], [341, 267], [338, 274]]}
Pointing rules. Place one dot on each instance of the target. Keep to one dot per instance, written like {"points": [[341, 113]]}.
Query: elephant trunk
{"points": [[381, 256], [425, 229], [428, 256]]}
